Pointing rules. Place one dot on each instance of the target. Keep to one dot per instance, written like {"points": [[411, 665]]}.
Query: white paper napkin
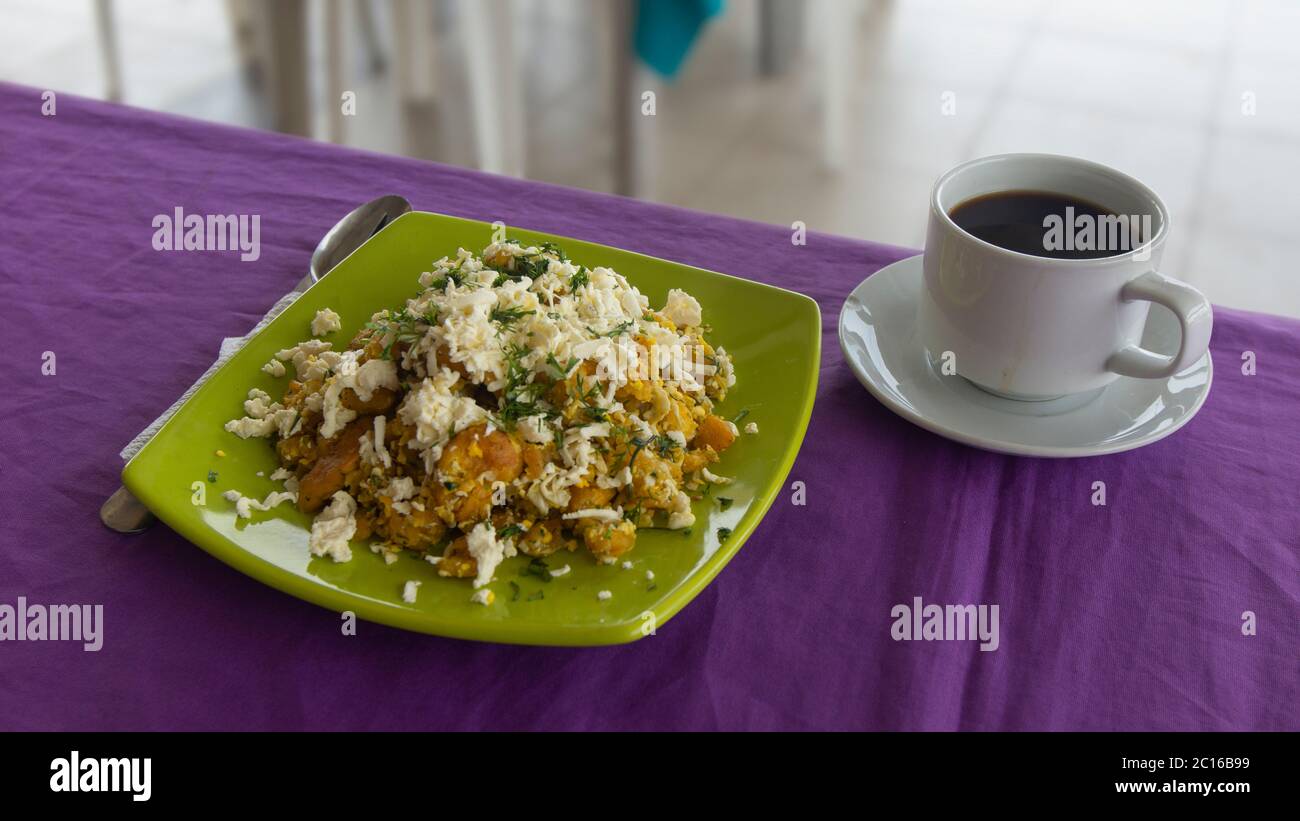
{"points": [[229, 346]]}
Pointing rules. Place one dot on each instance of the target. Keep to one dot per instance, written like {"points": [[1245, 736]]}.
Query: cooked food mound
{"points": [[519, 403]]}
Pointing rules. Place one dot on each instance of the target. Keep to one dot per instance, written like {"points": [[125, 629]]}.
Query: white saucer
{"points": [[878, 335]]}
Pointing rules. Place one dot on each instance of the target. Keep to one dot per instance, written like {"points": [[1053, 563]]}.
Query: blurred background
{"points": [[836, 113]]}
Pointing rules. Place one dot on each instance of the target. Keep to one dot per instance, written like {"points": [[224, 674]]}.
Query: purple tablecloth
{"points": [[1127, 616]]}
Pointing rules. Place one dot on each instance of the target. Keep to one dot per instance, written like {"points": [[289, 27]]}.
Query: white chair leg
{"points": [[375, 61], [834, 22], [779, 33], [243, 23], [336, 67], [283, 42], [629, 127], [108, 48], [495, 85], [414, 50]]}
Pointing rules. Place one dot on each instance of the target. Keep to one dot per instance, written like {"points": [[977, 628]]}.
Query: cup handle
{"points": [[1194, 315]]}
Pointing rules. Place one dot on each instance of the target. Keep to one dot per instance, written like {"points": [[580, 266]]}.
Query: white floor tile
{"points": [[1242, 269], [1261, 97], [1267, 30], [1112, 76], [941, 52], [1250, 186], [885, 203], [1201, 27]]}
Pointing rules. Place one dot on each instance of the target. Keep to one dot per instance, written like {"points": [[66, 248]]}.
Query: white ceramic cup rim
{"points": [[1137, 186]]}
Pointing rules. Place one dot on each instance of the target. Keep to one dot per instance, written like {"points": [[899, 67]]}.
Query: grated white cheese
{"points": [[604, 595], [325, 322], [399, 488], [381, 452], [487, 550], [244, 506], [436, 413], [264, 417], [561, 571], [682, 309], [333, 527], [752, 427], [680, 515], [410, 590], [601, 514], [363, 379], [709, 476], [312, 358]]}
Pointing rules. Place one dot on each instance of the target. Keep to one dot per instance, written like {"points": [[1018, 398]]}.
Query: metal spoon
{"points": [[351, 232], [123, 512]]}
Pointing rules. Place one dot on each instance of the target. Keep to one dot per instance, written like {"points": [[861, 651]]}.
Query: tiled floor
{"points": [[1161, 89]]}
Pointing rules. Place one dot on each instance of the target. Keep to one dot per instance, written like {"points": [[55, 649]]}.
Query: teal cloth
{"points": [[666, 30]]}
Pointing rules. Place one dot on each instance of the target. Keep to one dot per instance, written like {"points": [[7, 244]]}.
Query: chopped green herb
{"points": [[620, 329], [579, 279], [531, 264], [664, 444], [514, 591], [509, 531], [724, 502], [735, 420], [520, 397], [455, 275], [552, 248], [398, 327], [212, 476], [505, 317], [723, 533], [537, 569], [561, 371], [538, 596]]}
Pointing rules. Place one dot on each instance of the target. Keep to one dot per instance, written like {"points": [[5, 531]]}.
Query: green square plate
{"points": [[773, 336]]}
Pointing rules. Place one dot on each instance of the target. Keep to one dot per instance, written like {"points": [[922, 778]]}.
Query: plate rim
{"points": [[998, 445], [508, 631]]}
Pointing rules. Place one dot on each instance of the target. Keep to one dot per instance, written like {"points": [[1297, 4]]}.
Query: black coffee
{"points": [[1050, 225]]}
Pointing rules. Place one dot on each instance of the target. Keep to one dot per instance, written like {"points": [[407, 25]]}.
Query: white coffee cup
{"points": [[1036, 327]]}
